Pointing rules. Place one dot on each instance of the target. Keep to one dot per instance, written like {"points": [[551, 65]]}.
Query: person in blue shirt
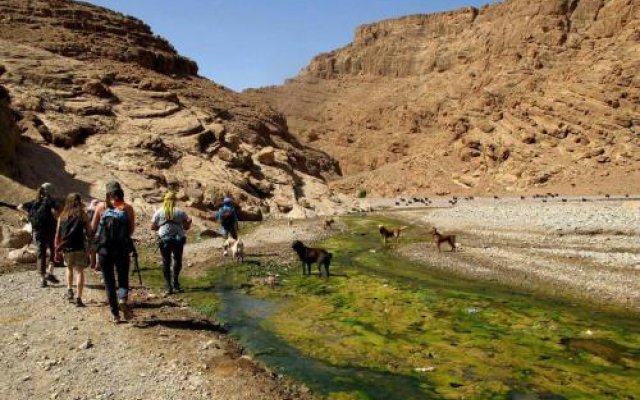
{"points": [[228, 218]]}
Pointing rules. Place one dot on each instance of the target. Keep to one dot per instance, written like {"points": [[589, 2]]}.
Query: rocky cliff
{"points": [[99, 96], [514, 97], [9, 134]]}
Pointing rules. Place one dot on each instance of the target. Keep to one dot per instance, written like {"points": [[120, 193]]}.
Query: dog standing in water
{"points": [[387, 233], [236, 247], [310, 255], [440, 238]]}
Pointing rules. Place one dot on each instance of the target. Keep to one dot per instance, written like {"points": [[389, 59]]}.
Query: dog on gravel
{"points": [[387, 233], [310, 255], [236, 247], [440, 238], [328, 223]]}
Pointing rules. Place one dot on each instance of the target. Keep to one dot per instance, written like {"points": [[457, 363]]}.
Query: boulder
{"points": [[22, 256], [13, 238], [250, 213], [266, 156], [97, 88]]}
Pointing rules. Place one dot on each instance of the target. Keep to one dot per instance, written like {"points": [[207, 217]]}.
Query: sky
{"points": [[254, 43]]}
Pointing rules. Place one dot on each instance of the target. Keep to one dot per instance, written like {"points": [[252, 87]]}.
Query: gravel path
{"points": [[53, 350], [589, 250]]}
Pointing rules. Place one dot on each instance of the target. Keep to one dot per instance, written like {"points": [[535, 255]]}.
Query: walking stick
{"points": [[134, 254]]}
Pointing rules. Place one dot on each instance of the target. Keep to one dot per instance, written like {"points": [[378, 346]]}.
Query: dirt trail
{"points": [[53, 350], [167, 352], [591, 251]]}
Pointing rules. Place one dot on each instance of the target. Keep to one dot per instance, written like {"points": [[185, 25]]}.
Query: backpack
{"points": [[113, 232], [227, 218], [40, 216], [72, 234]]}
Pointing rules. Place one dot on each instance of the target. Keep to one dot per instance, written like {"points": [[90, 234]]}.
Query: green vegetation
{"points": [[385, 327]]}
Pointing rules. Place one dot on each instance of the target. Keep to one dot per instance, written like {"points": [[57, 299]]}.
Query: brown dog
{"points": [[387, 233], [440, 238], [328, 223]]}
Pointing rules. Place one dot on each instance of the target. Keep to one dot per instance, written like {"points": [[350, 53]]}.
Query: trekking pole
{"points": [[134, 254]]}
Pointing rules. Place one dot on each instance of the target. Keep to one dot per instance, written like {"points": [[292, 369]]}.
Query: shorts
{"points": [[75, 259]]}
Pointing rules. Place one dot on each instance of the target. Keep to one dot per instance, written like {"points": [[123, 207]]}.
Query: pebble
{"points": [[87, 344]]}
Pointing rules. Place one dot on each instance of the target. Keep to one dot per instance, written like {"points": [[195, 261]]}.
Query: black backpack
{"points": [[113, 232], [72, 232], [40, 215], [227, 218]]}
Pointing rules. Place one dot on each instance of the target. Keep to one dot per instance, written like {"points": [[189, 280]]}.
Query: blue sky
{"points": [[253, 43]]}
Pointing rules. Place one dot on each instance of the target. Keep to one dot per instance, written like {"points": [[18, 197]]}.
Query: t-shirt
{"points": [[172, 228]]}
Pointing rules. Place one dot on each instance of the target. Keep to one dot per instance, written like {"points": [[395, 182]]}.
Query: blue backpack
{"points": [[113, 233]]}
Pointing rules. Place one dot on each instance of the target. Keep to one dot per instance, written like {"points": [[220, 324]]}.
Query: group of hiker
{"points": [[100, 236]]}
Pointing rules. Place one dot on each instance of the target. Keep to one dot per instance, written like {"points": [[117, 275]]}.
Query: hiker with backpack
{"points": [[42, 216], [228, 218], [171, 222], [114, 223], [72, 235]]}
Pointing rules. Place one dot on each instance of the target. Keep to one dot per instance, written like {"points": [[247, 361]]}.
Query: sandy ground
{"points": [[53, 350], [590, 250]]}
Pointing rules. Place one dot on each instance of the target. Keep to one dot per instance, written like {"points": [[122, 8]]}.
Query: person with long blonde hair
{"points": [[72, 235], [171, 222]]}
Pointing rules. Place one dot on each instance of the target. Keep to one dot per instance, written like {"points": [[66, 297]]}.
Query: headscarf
{"points": [[169, 205]]}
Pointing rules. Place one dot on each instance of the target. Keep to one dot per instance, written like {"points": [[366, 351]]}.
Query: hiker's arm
{"points": [[132, 219], [56, 239], [87, 226], [22, 207], [154, 222], [96, 217], [186, 223]]}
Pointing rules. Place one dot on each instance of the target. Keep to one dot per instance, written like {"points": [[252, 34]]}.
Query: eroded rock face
{"points": [[139, 114], [9, 133], [537, 85]]}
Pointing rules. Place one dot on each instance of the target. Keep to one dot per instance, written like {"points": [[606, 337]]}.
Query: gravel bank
{"points": [[587, 250]]}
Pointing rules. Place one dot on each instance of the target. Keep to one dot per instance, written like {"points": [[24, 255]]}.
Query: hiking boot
{"points": [[177, 288], [126, 310], [79, 302], [115, 319], [70, 294], [43, 283], [52, 278]]}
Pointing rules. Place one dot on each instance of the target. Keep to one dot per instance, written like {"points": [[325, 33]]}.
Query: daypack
{"points": [[41, 217], [72, 234], [113, 232], [227, 218]]}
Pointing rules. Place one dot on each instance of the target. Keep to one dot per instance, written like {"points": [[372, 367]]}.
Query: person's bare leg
{"points": [[69, 276], [80, 281]]}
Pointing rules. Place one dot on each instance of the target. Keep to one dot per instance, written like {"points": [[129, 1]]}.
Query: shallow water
{"points": [[384, 327]]}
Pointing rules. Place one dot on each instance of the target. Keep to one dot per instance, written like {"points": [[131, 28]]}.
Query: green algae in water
{"points": [[385, 327]]}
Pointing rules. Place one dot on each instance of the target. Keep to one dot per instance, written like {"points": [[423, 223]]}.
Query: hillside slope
{"points": [[99, 96], [514, 97]]}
